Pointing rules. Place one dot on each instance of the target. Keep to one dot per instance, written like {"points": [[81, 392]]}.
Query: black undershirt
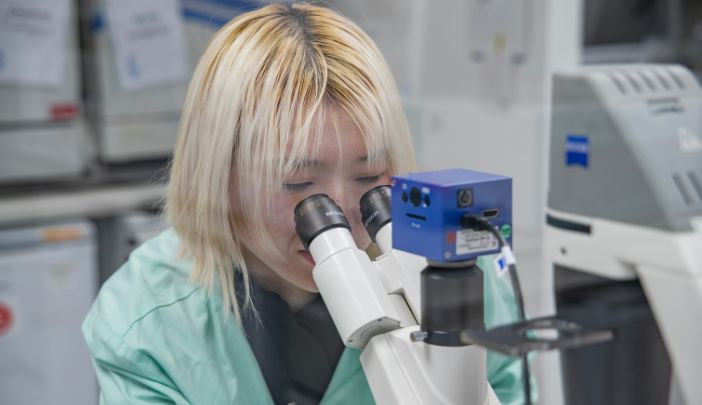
{"points": [[297, 351]]}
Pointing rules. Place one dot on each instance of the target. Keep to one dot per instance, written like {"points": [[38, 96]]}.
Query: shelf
{"points": [[98, 201]]}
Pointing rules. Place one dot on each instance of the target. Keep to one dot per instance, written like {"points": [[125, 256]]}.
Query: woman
{"points": [[287, 101]]}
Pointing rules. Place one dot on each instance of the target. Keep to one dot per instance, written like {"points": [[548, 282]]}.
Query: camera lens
{"points": [[316, 214], [415, 196], [376, 209]]}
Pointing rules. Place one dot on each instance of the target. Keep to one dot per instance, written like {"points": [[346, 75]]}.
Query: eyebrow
{"points": [[314, 163]]}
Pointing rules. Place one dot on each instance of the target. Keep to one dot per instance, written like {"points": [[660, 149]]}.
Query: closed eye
{"points": [[297, 186], [368, 179]]}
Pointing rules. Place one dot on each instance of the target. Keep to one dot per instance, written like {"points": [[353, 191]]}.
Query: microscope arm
{"points": [[373, 315]]}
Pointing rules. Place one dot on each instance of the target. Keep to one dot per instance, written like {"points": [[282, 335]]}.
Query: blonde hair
{"points": [[253, 110]]}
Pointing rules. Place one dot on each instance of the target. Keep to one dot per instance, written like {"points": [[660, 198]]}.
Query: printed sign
{"points": [[33, 35], [149, 42]]}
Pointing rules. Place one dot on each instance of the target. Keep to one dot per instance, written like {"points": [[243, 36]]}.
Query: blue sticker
{"points": [[132, 66], [577, 151], [500, 265]]}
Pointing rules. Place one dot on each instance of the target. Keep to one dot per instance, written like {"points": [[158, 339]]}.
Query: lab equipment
{"points": [[625, 205], [135, 113], [42, 133], [48, 280], [412, 351], [416, 312]]}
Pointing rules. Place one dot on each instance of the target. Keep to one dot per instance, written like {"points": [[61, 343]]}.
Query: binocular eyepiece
{"points": [[319, 213], [376, 209], [316, 214]]}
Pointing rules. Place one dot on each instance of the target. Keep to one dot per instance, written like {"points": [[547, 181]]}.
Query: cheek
{"points": [[282, 219]]}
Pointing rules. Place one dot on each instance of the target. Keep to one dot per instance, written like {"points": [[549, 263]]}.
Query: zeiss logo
{"points": [[334, 213], [577, 151]]}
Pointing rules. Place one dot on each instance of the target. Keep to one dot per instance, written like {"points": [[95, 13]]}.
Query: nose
{"points": [[343, 198], [346, 198]]}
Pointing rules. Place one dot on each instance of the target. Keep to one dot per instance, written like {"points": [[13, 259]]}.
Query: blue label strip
{"points": [[577, 151]]}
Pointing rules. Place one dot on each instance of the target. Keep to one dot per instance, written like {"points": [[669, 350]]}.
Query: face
{"points": [[341, 171]]}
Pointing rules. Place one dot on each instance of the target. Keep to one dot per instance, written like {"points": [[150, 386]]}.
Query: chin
{"points": [[310, 285], [301, 277]]}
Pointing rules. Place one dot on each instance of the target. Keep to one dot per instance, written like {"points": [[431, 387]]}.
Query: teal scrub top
{"points": [[155, 337]]}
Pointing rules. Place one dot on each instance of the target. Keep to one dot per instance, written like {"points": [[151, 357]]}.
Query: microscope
{"points": [[624, 229], [416, 311]]}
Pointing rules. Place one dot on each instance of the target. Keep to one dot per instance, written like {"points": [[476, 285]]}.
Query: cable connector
{"points": [[478, 224], [508, 255]]}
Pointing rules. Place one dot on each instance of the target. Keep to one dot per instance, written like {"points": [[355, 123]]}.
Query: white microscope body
{"points": [[627, 202], [375, 306], [381, 319]]}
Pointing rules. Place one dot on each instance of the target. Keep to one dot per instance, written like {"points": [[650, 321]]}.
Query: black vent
{"points": [[677, 79], [634, 80], [663, 79], [696, 184], [617, 82], [650, 83], [683, 189]]}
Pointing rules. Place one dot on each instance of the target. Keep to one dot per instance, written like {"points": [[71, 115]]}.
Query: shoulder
{"points": [[153, 278], [151, 324], [151, 305]]}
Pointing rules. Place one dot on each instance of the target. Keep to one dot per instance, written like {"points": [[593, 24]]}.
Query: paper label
{"points": [[149, 42], [500, 265], [33, 36], [470, 241]]}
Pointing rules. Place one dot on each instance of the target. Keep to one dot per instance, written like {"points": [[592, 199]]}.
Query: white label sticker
{"points": [[500, 264], [470, 241], [33, 35], [149, 42]]}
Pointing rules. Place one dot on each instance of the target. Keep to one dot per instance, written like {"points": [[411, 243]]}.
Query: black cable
{"points": [[483, 224], [522, 315], [516, 286]]}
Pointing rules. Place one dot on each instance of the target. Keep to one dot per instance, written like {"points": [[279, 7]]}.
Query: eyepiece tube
{"points": [[315, 215], [344, 275], [376, 212]]}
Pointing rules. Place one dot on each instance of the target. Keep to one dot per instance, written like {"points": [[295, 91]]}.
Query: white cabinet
{"points": [[48, 279]]}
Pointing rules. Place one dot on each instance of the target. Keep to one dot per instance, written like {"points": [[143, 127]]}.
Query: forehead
{"points": [[338, 139]]}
